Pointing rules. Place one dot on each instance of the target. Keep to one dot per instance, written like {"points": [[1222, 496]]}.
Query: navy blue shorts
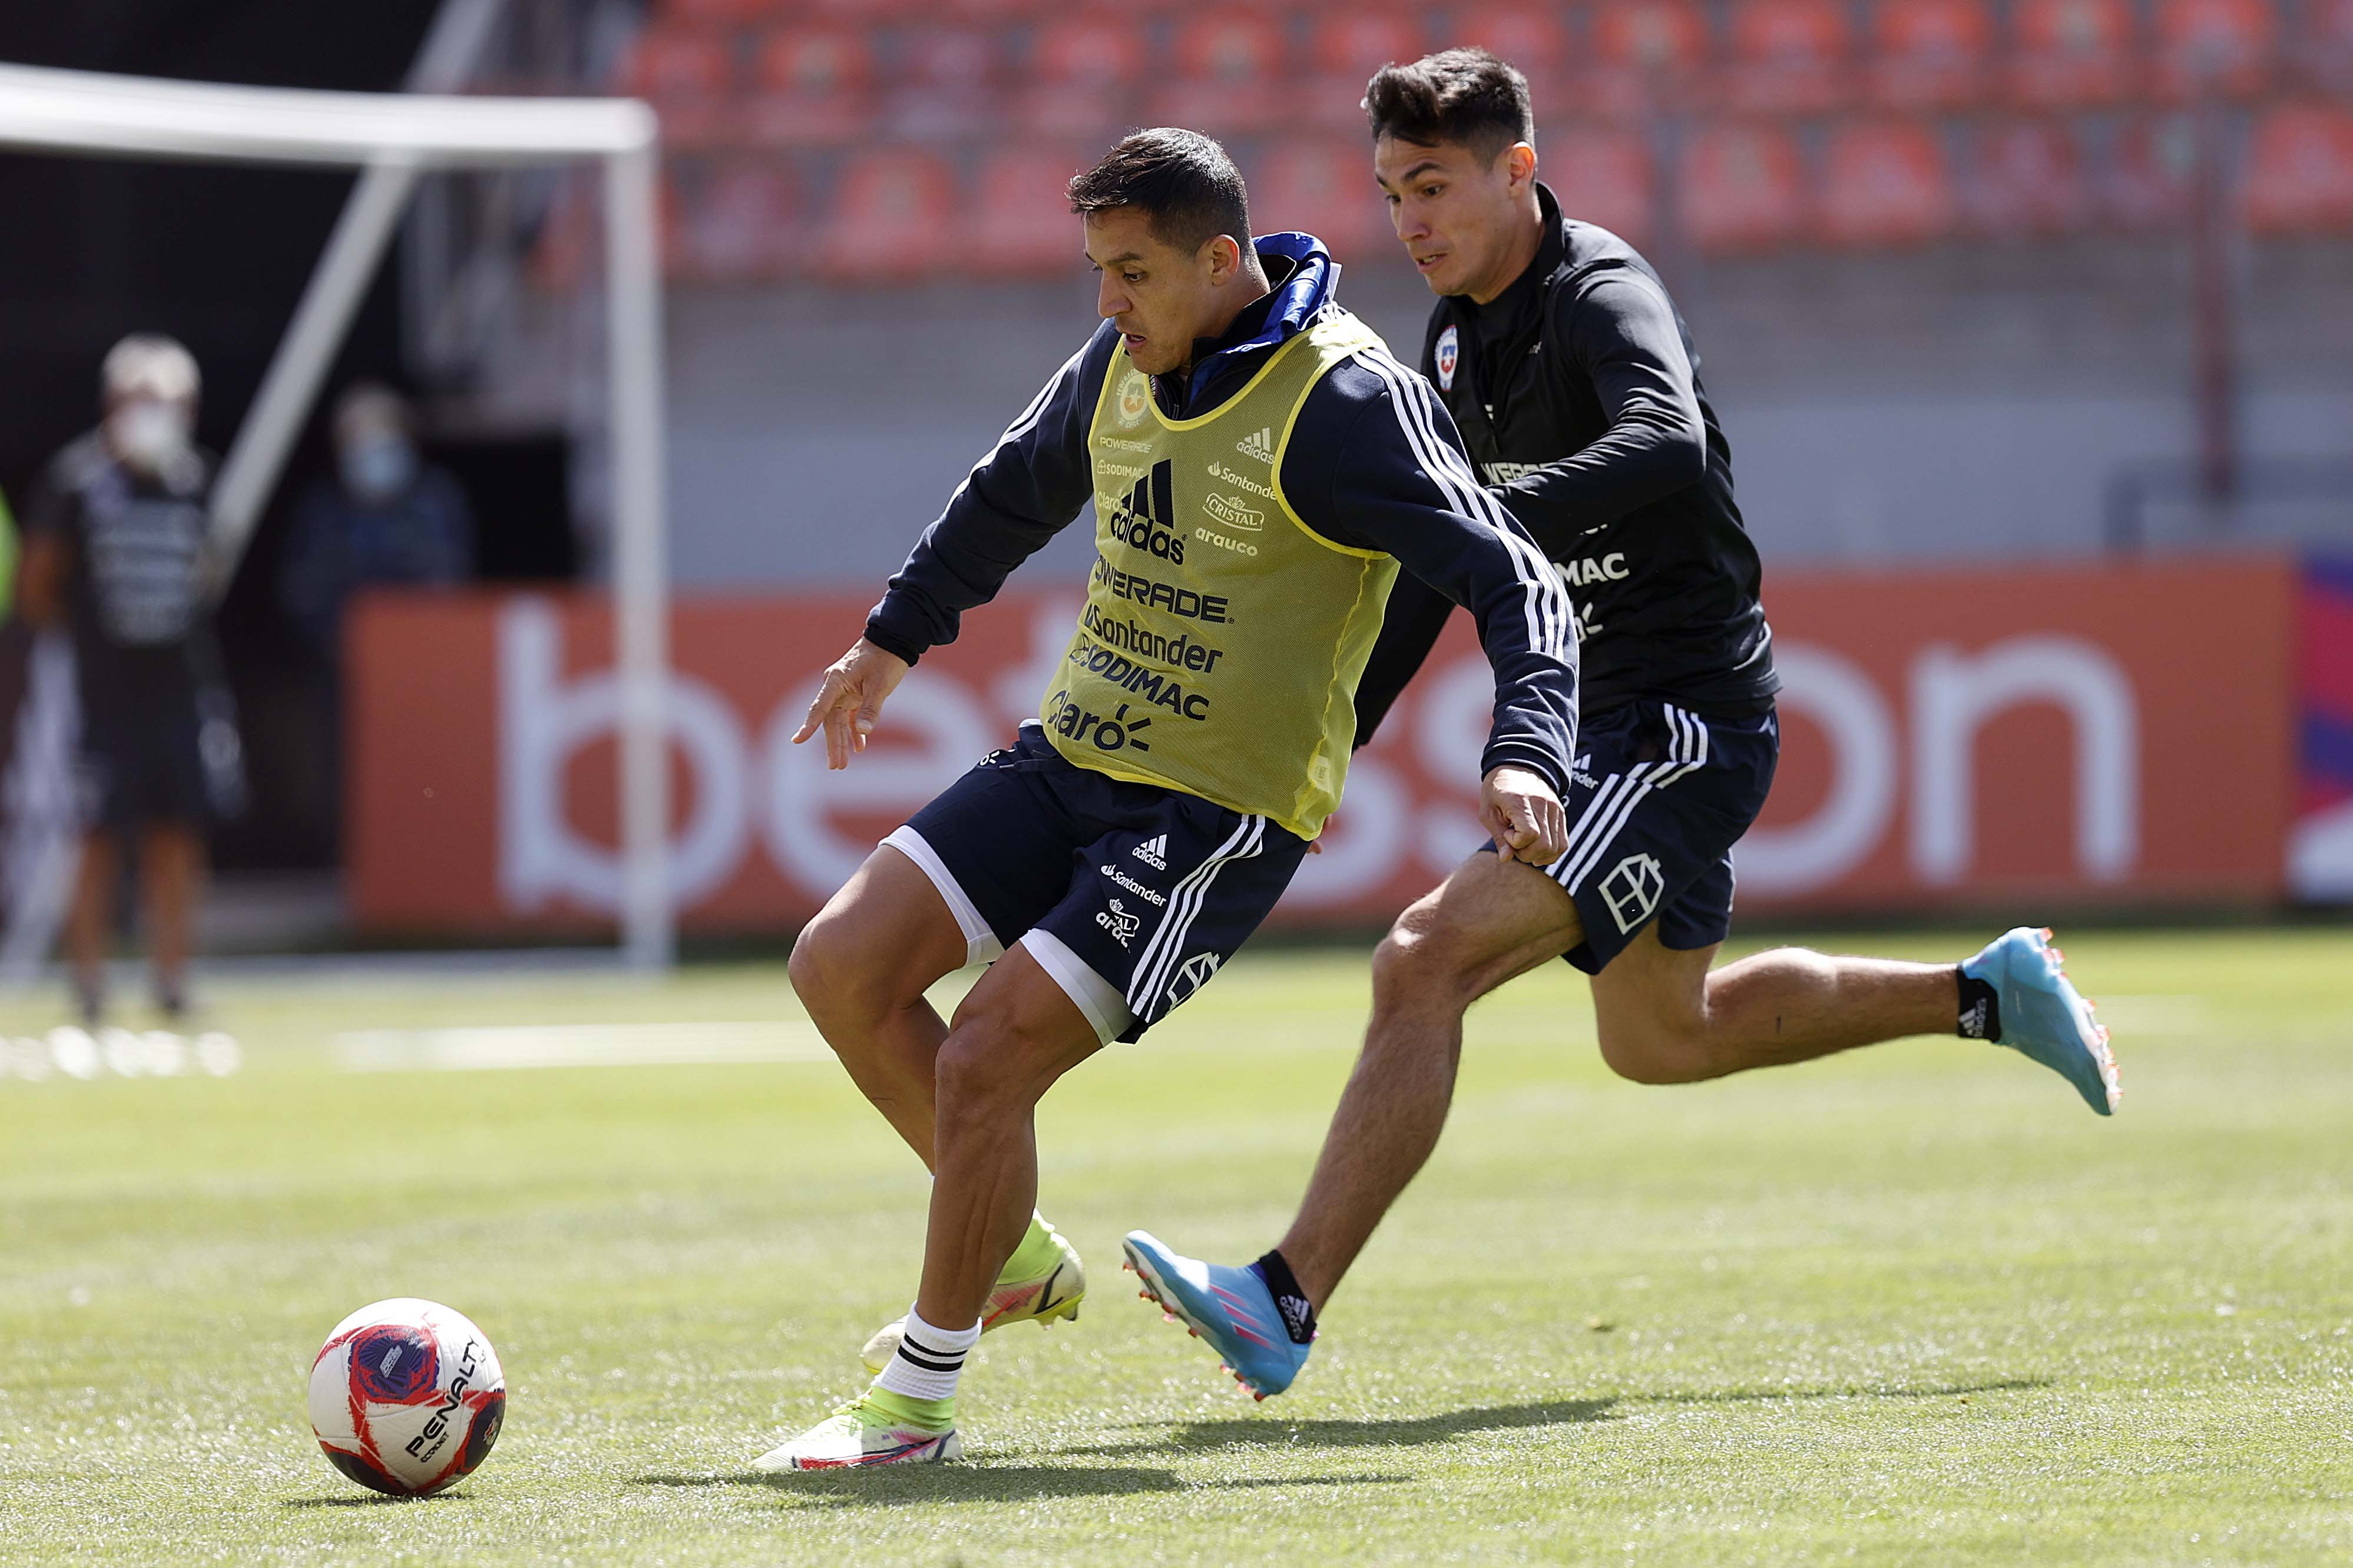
{"points": [[1130, 896], [1657, 799]]}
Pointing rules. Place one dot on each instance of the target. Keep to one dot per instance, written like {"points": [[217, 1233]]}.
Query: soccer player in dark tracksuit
{"points": [[1573, 380]]}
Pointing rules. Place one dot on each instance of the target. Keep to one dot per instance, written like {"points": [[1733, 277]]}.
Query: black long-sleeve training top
{"points": [[1373, 462], [1577, 393]]}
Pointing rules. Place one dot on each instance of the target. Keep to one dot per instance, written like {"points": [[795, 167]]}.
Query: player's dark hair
{"points": [[1182, 180], [1467, 97]]}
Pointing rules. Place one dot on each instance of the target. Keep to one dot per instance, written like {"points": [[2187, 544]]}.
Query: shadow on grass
{"points": [[1440, 1427], [369, 1500], [899, 1485]]}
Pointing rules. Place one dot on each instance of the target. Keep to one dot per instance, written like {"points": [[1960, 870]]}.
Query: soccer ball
{"points": [[406, 1396]]}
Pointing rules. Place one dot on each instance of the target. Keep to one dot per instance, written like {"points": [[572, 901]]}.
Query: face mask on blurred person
{"points": [[148, 436], [378, 467]]}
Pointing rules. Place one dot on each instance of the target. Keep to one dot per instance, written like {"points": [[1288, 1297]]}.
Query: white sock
{"points": [[929, 1360]]}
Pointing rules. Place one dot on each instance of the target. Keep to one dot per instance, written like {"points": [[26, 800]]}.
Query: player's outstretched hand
{"points": [[1524, 816], [851, 701]]}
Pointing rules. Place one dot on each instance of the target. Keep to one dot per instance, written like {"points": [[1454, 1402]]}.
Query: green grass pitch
{"points": [[1913, 1305]]}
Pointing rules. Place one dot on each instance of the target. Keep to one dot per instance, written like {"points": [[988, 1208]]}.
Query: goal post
{"points": [[92, 114]]}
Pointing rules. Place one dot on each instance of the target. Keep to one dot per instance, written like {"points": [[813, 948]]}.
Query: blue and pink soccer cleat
{"points": [[2039, 1014], [1231, 1307]]}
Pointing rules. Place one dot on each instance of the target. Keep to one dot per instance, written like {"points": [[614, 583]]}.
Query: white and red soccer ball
{"points": [[406, 1396]]}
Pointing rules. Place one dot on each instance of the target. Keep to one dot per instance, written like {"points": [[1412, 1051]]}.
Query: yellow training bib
{"points": [[1222, 639]]}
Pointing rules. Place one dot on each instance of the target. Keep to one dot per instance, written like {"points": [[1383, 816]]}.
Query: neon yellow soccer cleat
{"points": [[1043, 1282], [877, 1427]]}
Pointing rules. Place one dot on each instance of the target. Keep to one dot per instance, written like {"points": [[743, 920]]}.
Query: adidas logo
{"points": [[1974, 1021], [1153, 852], [1259, 444], [1294, 1318]]}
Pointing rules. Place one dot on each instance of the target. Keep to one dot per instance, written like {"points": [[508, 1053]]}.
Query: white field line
{"points": [[497, 1048]]}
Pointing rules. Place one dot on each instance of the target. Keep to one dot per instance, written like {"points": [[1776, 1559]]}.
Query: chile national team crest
{"points": [[1449, 349]]}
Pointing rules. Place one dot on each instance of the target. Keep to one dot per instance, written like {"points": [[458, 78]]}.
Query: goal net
{"points": [[391, 139]]}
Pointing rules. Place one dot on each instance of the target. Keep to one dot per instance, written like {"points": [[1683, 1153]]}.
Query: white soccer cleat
{"points": [[1043, 1297], [876, 1428]]}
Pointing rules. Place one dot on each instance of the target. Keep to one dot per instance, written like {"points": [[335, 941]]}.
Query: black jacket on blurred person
{"points": [[1576, 391], [135, 592]]}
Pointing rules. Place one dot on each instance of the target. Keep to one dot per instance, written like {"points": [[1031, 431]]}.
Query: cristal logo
{"points": [[1233, 514], [1115, 920]]}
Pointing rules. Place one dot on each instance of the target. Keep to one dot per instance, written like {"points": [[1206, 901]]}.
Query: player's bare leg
{"points": [[1014, 1034], [91, 920], [1664, 1015], [1491, 921], [861, 969], [172, 875]]}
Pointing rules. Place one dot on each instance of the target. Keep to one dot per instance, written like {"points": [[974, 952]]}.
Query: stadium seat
{"points": [[1884, 183], [1929, 54], [815, 87], [893, 218], [1323, 185], [2214, 47], [945, 85], [1602, 175], [1743, 188], [1020, 223], [1788, 56], [1345, 47], [1646, 52], [1230, 71], [739, 222], [859, 13], [2027, 178], [2149, 172], [2070, 54], [2323, 52], [1532, 37], [689, 78], [2299, 176], [1080, 77]]}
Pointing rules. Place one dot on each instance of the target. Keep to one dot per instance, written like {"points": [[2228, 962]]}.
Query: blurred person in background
{"points": [[115, 550], [386, 516]]}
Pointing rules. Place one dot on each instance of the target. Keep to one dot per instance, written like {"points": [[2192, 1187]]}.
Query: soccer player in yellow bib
{"points": [[1261, 468]]}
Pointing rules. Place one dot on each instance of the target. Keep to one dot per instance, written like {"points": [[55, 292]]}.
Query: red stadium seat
{"points": [[1885, 183], [861, 13], [1930, 53], [893, 218], [1323, 186], [946, 84], [2300, 171], [2325, 52], [1230, 70], [1081, 77], [816, 87], [2214, 47], [1530, 36], [739, 223], [1743, 188], [1021, 222], [2067, 53], [2029, 180], [1345, 48], [2149, 174], [1645, 51], [1788, 56], [689, 78], [1602, 175]]}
